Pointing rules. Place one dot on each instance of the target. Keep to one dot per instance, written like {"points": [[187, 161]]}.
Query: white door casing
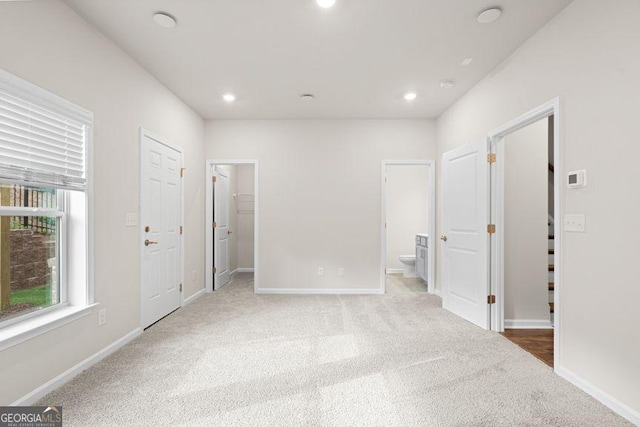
{"points": [[465, 241], [221, 230], [160, 245]]}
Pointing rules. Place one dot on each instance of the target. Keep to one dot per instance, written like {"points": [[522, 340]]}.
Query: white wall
{"points": [[526, 294], [46, 43], [320, 196], [589, 56], [407, 210], [245, 187]]}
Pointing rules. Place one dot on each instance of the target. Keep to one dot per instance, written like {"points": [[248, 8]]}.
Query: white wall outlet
{"points": [[574, 223], [320, 271], [131, 219], [193, 276], [102, 317], [341, 271]]}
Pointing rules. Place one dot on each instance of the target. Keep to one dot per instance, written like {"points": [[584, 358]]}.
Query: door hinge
{"points": [[491, 158], [182, 172], [214, 224], [214, 179], [214, 270], [491, 299], [180, 229], [180, 287], [491, 228]]}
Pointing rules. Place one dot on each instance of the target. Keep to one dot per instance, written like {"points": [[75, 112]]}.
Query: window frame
{"points": [[75, 233]]}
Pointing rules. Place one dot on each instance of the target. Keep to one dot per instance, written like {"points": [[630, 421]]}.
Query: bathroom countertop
{"points": [[422, 234]]}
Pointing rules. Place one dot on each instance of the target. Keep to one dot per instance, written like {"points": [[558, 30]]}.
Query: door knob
{"points": [[443, 237], [148, 242], [229, 231]]}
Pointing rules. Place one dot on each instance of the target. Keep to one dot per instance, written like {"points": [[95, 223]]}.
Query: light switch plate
{"points": [[131, 220], [574, 223]]}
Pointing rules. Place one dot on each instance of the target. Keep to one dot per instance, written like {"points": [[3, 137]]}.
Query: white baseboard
{"points": [[395, 270], [46, 388], [605, 398], [244, 270], [193, 297], [317, 291], [527, 324]]}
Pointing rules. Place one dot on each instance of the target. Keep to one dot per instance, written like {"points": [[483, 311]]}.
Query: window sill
{"points": [[29, 328]]}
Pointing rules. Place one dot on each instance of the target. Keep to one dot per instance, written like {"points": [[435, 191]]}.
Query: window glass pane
{"points": [[29, 265], [13, 195]]}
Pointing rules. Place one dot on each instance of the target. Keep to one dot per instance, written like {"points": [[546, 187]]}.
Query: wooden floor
{"points": [[538, 342]]}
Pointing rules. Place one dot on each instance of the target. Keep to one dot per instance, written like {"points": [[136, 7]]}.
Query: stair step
{"points": [[551, 307], [552, 286], [552, 267]]}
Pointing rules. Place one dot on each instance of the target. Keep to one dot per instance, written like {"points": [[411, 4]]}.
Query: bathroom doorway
{"points": [[408, 224]]}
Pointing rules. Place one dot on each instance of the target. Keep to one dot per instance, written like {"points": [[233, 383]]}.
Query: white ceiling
{"points": [[358, 58]]}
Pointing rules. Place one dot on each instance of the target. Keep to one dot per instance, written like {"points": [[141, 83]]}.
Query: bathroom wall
{"points": [[407, 210], [244, 206], [525, 228]]}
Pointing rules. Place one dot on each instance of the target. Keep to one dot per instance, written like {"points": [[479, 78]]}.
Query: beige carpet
{"points": [[235, 358]]}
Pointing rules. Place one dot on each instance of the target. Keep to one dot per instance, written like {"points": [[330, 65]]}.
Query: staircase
{"points": [[551, 255]]}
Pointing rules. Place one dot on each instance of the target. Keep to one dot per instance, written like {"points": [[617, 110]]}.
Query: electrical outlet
{"points": [[102, 317], [320, 271], [574, 223], [341, 271], [193, 276], [131, 219]]}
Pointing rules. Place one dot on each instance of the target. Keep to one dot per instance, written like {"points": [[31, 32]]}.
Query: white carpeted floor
{"points": [[235, 358]]}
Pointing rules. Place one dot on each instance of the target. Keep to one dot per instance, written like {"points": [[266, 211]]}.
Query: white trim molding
{"points": [[527, 324], [244, 270], [497, 146], [395, 270], [193, 297], [46, 388], [600, 395], [318, 291]]}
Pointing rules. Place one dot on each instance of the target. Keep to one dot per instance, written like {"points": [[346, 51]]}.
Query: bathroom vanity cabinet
{"points": [[422, 258]]}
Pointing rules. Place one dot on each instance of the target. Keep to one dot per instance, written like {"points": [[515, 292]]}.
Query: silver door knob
{"points": [[443, 237], [148, 242]]}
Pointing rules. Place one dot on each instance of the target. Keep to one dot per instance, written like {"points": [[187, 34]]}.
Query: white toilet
{"points": [[409, 262]]}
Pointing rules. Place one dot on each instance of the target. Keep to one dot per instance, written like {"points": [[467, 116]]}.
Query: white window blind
{"points": [[39, 143]]}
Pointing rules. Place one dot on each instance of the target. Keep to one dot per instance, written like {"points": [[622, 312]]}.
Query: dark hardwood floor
{"points": [[538, 342]]}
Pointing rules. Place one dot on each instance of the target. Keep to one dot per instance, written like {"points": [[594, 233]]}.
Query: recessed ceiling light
{"points": [[447, 84], [410, 96], [164, 20], [490, 15], [307, 97], [466, 62], [229, 97], [326, 4]]}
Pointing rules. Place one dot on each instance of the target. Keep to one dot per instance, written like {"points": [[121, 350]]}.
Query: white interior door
{"points": [[160, 211], [221, 230], [465, 241]]}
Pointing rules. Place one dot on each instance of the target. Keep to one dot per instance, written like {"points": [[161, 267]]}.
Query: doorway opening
{"points": [[525, 203], [408, 222], [231, 224]]}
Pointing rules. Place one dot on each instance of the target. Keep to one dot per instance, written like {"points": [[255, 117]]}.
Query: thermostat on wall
{"points": [[577, 179]]}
